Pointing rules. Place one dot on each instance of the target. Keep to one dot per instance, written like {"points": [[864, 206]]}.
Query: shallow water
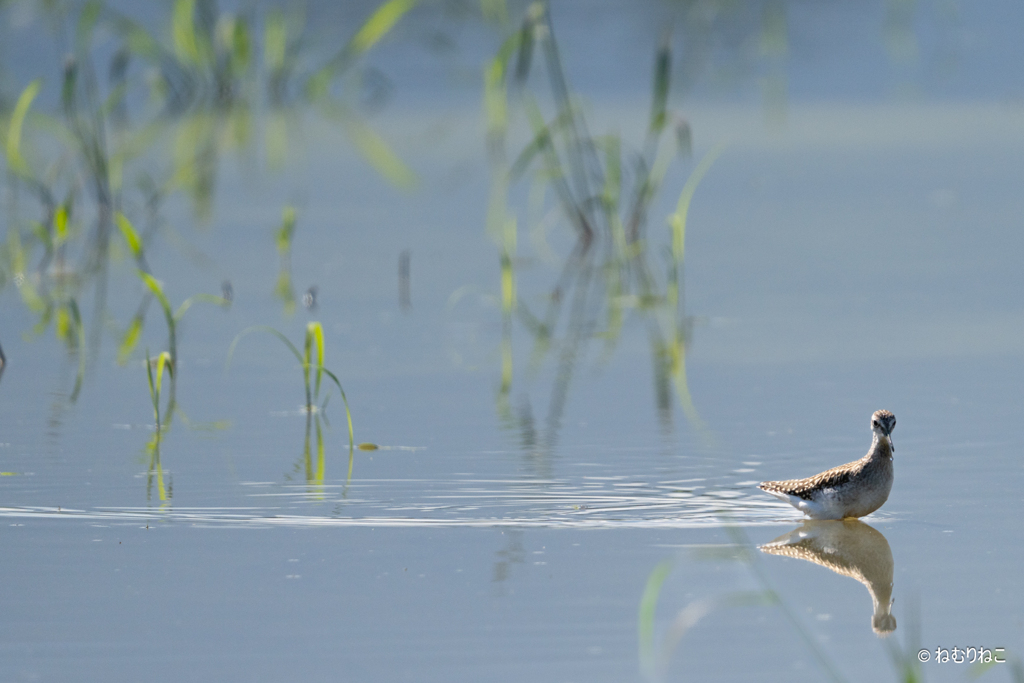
{"points": [[860, 252]]}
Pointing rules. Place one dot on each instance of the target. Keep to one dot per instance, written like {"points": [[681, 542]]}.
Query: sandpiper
{"points": [[851, 490]]}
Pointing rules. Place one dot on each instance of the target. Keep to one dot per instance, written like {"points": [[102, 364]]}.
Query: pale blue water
{"points": [[862, 253]]}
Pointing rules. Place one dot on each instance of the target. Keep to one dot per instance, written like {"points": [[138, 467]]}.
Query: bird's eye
{"points": [[874, 423]]}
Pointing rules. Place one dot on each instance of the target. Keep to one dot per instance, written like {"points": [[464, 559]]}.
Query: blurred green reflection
{"points": [[617, 271]]}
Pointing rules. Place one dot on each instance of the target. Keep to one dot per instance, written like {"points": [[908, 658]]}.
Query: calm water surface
{"points": [[856, 246]]}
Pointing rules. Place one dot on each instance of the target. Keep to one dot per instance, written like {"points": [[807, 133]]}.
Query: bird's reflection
{"points": [[851, 548]]}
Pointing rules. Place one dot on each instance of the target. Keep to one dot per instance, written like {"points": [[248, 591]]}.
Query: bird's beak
{"points": [[892, 446]]}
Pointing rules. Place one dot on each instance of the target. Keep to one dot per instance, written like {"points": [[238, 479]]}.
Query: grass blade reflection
{"points": [[609, 271]]}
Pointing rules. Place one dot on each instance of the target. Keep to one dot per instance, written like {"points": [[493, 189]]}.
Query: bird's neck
{"points": [[881, 447]]}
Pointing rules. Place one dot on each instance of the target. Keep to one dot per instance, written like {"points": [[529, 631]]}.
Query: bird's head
{"points": [[882, 424]]}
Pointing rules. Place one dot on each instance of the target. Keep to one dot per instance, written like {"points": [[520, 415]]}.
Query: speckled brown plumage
{"points": [[870, 466], [855, 489]]}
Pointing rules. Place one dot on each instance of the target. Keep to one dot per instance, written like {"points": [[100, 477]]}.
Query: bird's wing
{"points": [[802, 488]]}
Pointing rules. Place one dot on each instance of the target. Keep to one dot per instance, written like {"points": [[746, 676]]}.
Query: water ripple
{"points": [[463, 503]]}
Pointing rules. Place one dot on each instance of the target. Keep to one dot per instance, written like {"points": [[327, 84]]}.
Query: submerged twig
{"points": [[404, 284]]}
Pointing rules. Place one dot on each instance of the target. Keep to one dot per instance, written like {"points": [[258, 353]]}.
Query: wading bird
{"points": [[851, 490]]}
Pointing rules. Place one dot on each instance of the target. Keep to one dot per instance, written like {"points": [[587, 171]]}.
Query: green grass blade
{"points": [[204, 298], [283, 291], [183, 33], [645, 619], [286, 232], [32, 299], [130, 235], [152, 387], [315, 332], [318, 85], [321, 461], [508, 275], [163, 361], [678, 219], [348, 412], [129, 340], [307, 363], [495, 92], [158, 291], [60, 225], [261, 328], [87, 20], [379, 23], [15, 161], [379, 154], [275, 41], [526, 44], [239, 43], [136, 38]]}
